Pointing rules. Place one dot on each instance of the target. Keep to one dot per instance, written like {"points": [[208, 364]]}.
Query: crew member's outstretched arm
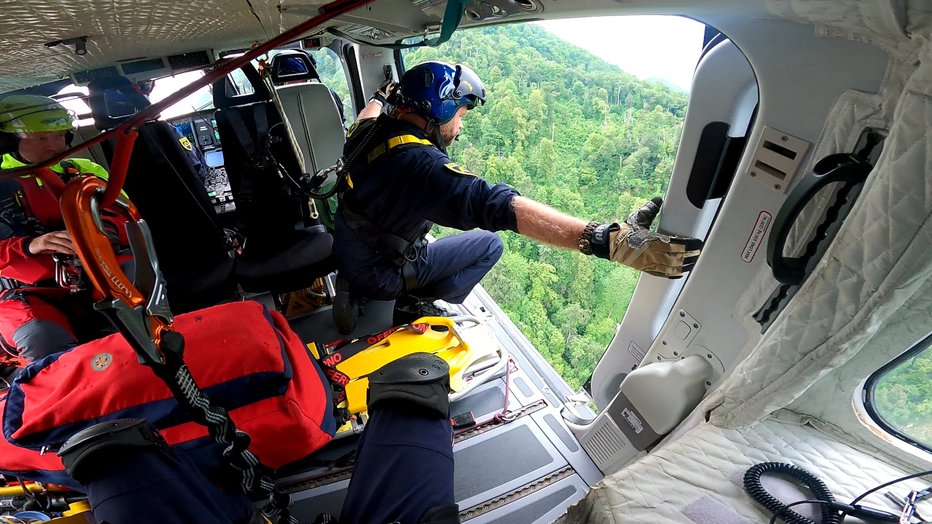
{"points": [[545, 224], [631, 242], [372, 110]]}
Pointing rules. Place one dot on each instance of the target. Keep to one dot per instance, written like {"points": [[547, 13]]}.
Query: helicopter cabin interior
{"points": [[803, 164]]}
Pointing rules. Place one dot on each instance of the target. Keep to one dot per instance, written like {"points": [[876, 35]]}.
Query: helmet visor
{"points": [[469, 90]]}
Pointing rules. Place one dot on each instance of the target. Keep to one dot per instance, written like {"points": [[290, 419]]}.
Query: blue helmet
{"points": [[435, 90]]}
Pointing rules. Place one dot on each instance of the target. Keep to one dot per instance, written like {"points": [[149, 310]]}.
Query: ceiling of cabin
{"points": [[135, 29], [121, 31]]}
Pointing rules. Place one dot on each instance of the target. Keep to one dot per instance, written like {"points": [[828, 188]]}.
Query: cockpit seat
{"points": [[294, 266], [164, 185], [285, 247], [312, 108], [188, 235]]}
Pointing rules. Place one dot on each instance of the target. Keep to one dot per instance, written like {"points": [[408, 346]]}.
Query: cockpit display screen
{"points": [[213, 158], [186, 130]]}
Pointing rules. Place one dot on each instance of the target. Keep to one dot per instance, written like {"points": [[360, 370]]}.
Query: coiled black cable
{"points": [[756, 490]]}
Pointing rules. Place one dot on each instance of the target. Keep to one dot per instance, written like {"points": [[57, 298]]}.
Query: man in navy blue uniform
{"points": [[401, 182]]}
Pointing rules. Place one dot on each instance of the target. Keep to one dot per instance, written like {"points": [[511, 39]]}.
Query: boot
{"points": [[410, 308]]}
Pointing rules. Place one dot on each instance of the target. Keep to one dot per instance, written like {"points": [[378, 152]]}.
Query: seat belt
{"points": [[244, 137], [262, 129]]}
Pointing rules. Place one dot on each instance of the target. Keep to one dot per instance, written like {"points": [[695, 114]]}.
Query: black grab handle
{"points": [[846, 168]]}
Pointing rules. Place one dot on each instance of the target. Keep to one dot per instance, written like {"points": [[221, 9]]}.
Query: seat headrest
{"points": [[113, 100], [293, 65], [227, 95]]}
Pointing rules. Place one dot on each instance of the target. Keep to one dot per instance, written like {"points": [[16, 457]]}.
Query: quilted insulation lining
{"points": [[887, 23], [703, 470], [840, 386], [877, 263]]}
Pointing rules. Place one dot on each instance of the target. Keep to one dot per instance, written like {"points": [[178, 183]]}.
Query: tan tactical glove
{"points": [[384, 92], [633, 244]]}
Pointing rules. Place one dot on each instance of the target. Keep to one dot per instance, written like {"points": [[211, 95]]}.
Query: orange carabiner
{"points": [[80, 209]]}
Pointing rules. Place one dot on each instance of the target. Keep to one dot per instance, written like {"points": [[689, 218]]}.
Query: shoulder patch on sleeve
{"points": [[458, 169], [185, 143]]}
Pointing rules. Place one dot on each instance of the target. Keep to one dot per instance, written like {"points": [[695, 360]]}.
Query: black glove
{"points": [[633, 244], [384, 91]]}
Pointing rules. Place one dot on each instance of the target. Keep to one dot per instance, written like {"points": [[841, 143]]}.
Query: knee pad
{"points": [[420, 379], [89, 447]]}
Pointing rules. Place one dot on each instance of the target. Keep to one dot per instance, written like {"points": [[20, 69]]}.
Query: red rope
{"points": [[121, 155]]}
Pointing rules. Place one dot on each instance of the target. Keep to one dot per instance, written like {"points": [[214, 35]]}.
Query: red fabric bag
{"points": [[246, 358]]}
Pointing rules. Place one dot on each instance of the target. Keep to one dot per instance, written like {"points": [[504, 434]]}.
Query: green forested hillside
{"points": [[575, 132]]}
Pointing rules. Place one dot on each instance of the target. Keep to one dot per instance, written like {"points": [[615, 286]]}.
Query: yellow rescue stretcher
{"points": [[348, 363]]}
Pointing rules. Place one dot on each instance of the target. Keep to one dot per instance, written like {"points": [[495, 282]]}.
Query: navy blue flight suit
{"points": [[400, 187]]}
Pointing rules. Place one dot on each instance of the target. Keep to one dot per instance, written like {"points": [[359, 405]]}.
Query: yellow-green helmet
{"points": [[33, 114]]}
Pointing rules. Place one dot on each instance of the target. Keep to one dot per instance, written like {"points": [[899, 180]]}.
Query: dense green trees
{"points": [[568, 129], [903, 397]]}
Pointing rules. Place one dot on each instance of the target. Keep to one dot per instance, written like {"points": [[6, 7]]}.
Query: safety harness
{"points": [[398, 248], [12, 211]]}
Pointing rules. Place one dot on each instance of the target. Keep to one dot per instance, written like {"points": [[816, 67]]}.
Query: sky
{"points": [[649, 47]]}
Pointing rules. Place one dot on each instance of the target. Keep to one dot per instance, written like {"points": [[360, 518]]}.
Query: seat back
{"points": [[312, 109], [94, 152], [257, 152], [164, 185], [315, 122], [186, 231]]}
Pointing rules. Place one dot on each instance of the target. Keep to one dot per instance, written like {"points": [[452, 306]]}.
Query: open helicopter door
{"points": [[720, 111], [706, 321]]}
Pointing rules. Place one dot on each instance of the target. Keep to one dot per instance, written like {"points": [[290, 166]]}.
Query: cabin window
{"points": [[331, 72], [200, 100], [74, 98], [567, 126], [240, 85], [899, 396]]}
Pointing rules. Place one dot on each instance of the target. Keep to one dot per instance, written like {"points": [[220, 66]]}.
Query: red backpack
{"points": [[245, 358]]}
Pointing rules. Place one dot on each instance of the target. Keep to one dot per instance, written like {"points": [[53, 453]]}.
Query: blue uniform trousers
{"points": [[404, 468], [450, 267], [160, 486]]}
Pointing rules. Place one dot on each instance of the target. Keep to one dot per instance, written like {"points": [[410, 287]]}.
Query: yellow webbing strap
{"points": [[394, 142], [390, 144]]}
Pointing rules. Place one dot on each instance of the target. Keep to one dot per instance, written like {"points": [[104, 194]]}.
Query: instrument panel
{"points": [[217, 182], [200, 130]]}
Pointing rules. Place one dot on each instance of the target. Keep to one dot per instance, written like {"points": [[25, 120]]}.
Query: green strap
{"points": [[451, 20]]}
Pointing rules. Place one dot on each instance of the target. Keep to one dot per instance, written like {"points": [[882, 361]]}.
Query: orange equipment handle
{"points": [[81, 211]]}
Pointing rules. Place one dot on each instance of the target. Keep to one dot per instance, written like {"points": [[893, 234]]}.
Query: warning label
{"points": [[758, 234], [633, 420], [635, 351]]}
